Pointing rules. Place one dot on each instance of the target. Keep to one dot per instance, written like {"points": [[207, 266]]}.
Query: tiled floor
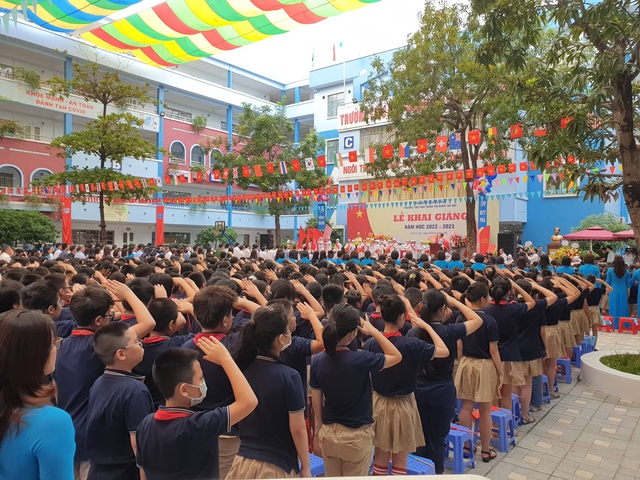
{"points": [[586, 434]]}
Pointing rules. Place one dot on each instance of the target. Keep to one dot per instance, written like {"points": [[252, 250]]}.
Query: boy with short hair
{"points": [[43, 297], [77, 366], [190, 436], [168, 323], [118, 402]]}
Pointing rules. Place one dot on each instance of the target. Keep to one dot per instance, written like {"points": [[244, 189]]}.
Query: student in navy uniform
{"points": [[507, 316], [213, 308], [397, 429], [479, 374], [435, 390], [342, 392], [41, 297], [118, 402], [580, 315], [176, 442], [168, 322], [144, 291], [274, 436], [77, 366], [567, 333], [593, 302], [530, 341]]}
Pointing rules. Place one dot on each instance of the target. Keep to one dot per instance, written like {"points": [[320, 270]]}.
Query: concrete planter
{"points": [[608, 380]]}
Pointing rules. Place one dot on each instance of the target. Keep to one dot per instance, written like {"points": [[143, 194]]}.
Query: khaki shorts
{"points": [[477, 380], [532, 368], [513, 374], [346, 451], [248, 468]]}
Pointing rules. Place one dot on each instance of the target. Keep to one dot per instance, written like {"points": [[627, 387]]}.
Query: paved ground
{"points": [[586, 434]]}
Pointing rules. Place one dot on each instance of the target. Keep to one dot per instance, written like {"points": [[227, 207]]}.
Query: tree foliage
{"points": [[264, 137], [113, 136], [585, 68], [435, 86], [210, 236], [25, 226]]}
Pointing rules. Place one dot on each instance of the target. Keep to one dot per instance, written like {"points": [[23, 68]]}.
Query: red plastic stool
{"points": [[628, 324]]}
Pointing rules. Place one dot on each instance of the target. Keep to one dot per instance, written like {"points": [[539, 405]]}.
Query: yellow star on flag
{"points": [[359, 213]]}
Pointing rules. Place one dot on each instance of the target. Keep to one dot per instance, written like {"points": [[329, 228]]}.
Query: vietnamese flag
{"points": [[301, 237], [502, 169], [511, 167], [441, 143], [257, 169], [524, 166], [295, 165], [422, 145], [387, 151], [565, 121], [469, 173], [449, 176], [246, 171], [271, 167], [474, 137], [322, 161], [515, 131], [199, 176], [308, 237], [540, 132], [353, 156], [358, 220]]}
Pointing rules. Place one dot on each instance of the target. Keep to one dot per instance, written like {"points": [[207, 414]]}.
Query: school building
{"points": [[327, 101]]}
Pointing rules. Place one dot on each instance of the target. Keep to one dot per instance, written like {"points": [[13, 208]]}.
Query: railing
{"points": [[177, 161], [32, 137], [181, 118]]}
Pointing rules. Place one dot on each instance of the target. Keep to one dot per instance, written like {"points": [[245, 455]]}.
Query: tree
{"points": [[609, 222], [263, 138], [435, 85], [210, 236], [582, 85], [113, 136], [25, 226]]}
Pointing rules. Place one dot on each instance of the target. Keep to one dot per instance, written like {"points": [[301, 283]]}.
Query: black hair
{"points": [[501, 288], [39, 296], [89, 304], [413, 280], [29, 278], [476, 292], [332, 295], [353, 298], [173, 367], [108, 340], [343, 320], [282, 288], [591, 278], [479, 258], [212, 304], [391, 308], [414, 295], [460, 284], [142, 289], [258, 335], [9, 295], [163, 311], [432, 301], [315, 289], [566, 261], [163, 279]]}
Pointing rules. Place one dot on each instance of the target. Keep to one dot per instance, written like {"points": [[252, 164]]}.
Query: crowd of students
{"points": [[206, 366]]}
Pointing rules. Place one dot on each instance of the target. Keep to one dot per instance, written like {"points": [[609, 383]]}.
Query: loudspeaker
{"points": [[507, 241]]}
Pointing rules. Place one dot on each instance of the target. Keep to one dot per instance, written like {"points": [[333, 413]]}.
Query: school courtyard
{"points": [[586, 434]]}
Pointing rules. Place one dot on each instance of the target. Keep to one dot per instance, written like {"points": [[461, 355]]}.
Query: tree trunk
{"points": [[472, 226], [103, 223], [276, 219]]}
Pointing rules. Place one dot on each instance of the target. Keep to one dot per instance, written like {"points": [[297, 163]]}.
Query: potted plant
{"points": [[198, 167], [11, 127], [199, 123]]}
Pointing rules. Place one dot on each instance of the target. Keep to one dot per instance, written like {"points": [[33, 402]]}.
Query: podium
{"points": [[553, 247]]}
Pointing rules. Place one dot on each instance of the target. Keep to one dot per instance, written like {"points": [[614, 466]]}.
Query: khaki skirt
{"points": [[532, 368], [248, 468], [513, 374], [579, 322], [595, 316], [567, 335], [398, 427], [477, 380], [555, 346]]}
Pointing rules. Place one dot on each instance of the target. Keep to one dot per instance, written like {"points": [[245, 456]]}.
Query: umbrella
{"points": [[626, 235], [592, 233]]}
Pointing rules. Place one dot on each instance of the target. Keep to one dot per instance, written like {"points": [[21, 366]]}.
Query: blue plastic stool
{"points": [[458, 405], [456, 439], [587, 347], [589, 340], [564, 370], [419, 466], [575, 358], [555, 384], [516, 409], [506, 429], [546, 392], [316, 464]]}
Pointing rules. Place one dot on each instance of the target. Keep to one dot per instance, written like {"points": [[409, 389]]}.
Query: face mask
{"points": [[286, 345], [203, 393]]}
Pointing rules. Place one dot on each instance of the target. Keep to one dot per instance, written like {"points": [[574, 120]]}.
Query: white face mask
{"points": [[203, 393], [286, 345]]}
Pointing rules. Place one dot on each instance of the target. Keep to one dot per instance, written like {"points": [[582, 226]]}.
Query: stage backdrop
{"points": [[416, 222]]}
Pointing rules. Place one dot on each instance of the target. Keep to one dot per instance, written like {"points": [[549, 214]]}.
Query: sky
{"points": [[368, 30]]}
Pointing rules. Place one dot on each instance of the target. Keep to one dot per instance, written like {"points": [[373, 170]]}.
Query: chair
{"points": [[628, 324], [564, 370], [506, 428], [546, 392], [575, 358], [607, 324], [415, 466], [316, 464], [456, 439], [516, 409]]}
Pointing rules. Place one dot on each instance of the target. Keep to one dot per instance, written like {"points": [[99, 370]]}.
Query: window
{"points": [[331, 149], [374, 135], [333, 102], [556, 184], [10, 177], [177, 153], [31, 132], [40, 174], [223, 126], [87, 237], [173, 238], [178, 114], [197, 155], [216, 155]]}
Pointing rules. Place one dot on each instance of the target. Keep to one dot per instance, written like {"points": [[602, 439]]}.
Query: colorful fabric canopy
{"points": [[181, 31], [66, 15]]}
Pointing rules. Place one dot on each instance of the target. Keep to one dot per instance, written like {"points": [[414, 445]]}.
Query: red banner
{"points": [[159, 224], [66, 220]]}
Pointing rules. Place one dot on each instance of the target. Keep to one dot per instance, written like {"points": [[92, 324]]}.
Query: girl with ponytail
{"points": [[479, 374], [273, 438], [507, 315], [435, 391], [397, 422], [341, 392]]}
